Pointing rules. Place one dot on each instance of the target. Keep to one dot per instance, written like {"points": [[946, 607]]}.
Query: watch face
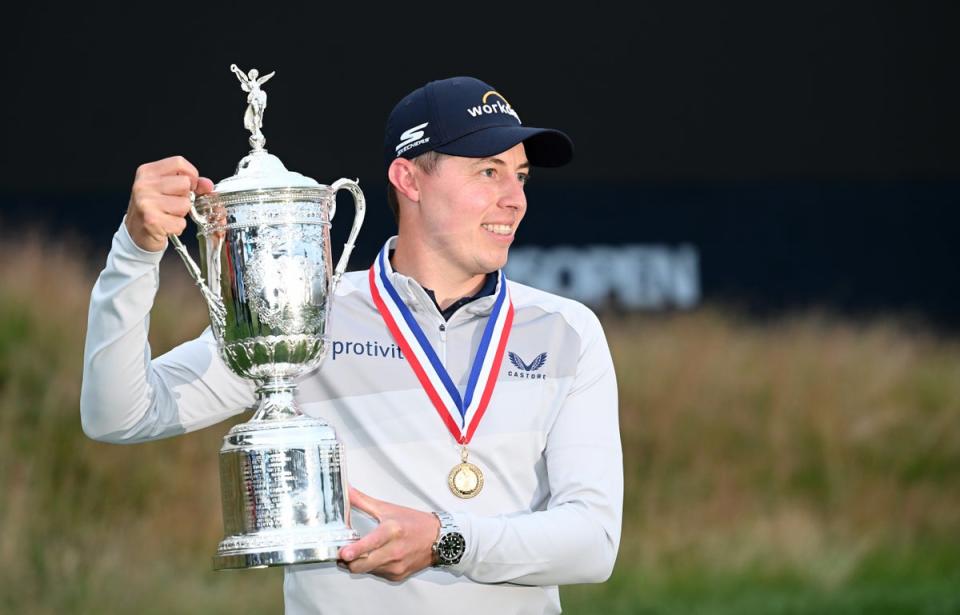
{"points": [[450, 548]]}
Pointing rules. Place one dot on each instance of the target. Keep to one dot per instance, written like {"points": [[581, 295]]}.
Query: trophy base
{"points": [[284, 490], [282, 555]]}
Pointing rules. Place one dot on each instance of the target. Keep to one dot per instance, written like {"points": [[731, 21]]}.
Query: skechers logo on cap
{"points": [[412, 137], [488, 107]]}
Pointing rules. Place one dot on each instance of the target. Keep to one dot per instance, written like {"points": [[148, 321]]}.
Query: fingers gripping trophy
{"points": [[266, 273]]}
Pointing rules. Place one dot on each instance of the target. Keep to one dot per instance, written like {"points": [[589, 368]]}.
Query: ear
{"points": [[403, 175]]}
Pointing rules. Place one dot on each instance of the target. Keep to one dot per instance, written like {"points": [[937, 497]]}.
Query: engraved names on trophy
{"points": [[278, 478]]}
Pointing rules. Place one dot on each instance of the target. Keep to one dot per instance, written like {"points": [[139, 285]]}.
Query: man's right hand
{"points": [[160, 200]]}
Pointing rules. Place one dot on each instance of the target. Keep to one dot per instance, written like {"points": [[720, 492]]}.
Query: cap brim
{"points": [[545, 147]]}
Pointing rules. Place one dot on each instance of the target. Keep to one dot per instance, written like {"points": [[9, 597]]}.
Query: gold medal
{"points": [[465, 479]]}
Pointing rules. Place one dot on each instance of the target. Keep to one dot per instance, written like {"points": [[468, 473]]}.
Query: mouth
{"points": [[504, 230]]}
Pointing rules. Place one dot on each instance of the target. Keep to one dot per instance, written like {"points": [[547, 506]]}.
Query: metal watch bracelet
{"points": [[450, 544]]}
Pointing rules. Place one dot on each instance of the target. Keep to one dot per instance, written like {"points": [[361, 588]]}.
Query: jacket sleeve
{"points": [[127, 397], [575, 540]]}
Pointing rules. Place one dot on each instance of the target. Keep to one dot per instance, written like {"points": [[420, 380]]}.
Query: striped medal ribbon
{"points": [[461, 415]]}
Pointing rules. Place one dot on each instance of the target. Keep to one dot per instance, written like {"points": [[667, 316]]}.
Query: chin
{"points": [[489, 259], [494, 264]]}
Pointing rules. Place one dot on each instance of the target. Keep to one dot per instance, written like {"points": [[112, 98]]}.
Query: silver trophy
{"points": [[268, 279]]}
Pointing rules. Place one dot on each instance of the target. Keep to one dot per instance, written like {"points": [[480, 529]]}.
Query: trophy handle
{"points": [[360, 205], [218, 312]]}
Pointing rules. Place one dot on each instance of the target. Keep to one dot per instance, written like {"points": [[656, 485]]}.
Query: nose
{"points": [[514, 196]]}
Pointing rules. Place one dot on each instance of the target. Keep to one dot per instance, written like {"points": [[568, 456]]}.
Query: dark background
{"points": [[808, 150]]}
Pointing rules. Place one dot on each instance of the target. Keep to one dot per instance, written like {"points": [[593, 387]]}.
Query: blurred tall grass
{"points": [[806, 465]]}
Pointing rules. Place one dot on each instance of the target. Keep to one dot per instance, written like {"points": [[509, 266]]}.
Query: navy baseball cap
{"points": [[463, 116]]}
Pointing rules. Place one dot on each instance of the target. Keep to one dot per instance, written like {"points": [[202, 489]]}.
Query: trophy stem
{"points": [[277, 401]]}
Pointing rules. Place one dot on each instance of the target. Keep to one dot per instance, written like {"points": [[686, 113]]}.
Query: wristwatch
{"points": [[450, 544]]}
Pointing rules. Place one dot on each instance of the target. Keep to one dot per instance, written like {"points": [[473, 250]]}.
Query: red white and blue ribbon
{"points": [[461, 414]]}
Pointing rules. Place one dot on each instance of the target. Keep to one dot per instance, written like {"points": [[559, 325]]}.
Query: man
{"points": [[479, 415]]}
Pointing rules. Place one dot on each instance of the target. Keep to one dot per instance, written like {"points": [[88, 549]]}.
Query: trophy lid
{"points": [[259, 169]]}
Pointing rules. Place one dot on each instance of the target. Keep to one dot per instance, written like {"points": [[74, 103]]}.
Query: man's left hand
{"points": [[401, 545]]}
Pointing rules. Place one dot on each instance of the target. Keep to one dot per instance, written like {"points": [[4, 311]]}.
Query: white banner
{"points": [[633, 276]]}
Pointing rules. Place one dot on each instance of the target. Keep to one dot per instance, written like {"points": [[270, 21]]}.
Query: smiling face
{"points": [[469, 210]]}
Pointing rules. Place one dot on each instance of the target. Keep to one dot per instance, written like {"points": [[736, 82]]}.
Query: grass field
{"points": [[805, 465]]}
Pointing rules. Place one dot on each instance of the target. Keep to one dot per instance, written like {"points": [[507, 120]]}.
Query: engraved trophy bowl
{"points": [[267, 275]]}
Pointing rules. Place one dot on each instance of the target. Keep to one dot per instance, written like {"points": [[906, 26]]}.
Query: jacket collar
{"points": [[417, 299]]}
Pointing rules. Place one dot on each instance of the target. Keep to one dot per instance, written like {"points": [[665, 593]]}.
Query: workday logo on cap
{"points": [[493, 106]]}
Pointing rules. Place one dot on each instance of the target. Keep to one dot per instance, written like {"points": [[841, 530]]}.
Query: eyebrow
{"points": [[524, 165]]}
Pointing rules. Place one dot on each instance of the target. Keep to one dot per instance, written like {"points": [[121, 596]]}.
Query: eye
{"points": [[489, 172], [524, 178]]}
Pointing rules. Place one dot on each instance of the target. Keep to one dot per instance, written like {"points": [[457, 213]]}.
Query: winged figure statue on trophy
{"points": [[256, 103]]}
